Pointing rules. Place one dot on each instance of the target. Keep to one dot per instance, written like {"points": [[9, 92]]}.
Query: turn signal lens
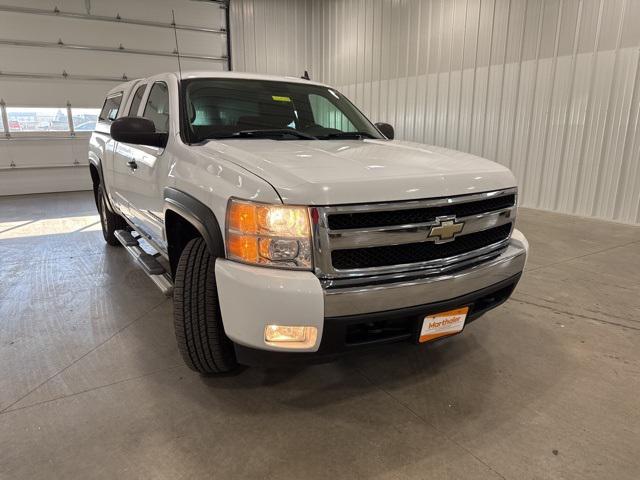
{"points": [[242, 217], [263, 234], [243, 246]]}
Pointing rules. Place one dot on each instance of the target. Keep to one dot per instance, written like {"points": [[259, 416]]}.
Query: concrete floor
{"points": [[92, 386]]}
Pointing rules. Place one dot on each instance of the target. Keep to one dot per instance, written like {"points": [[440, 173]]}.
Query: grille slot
{"points": [[372, 257], [344, 221]]}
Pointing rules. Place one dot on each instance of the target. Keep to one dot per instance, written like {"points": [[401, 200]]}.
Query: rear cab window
{"points": [[157, 107], [137, 99], [110, 108]]}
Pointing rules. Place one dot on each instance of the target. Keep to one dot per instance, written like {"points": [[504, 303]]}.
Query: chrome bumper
{"points": [[377, 298]]}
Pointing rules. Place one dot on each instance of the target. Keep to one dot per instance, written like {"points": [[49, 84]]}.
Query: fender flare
{"points": [[198, 215], [96, 162]]}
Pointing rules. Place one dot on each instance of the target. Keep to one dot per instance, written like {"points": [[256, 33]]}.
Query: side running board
{"points": [[148, 262]]}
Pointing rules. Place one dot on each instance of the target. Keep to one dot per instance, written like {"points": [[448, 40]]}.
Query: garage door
{"points": [[58, 60]]}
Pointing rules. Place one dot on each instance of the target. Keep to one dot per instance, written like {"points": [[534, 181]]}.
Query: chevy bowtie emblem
{"points": [[445, 230]]}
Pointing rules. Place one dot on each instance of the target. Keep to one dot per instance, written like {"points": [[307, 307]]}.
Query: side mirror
{"points": [[139, 131], [386, 129]]}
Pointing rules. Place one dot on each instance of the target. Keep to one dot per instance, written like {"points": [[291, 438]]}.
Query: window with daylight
{"points": [[84, 119], [28, 119], [110, 108]]}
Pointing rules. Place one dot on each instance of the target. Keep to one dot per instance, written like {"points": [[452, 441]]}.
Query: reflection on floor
{"points": [[92, 385]]}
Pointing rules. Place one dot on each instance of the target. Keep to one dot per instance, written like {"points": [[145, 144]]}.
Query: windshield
{"points": [[231, 108]]}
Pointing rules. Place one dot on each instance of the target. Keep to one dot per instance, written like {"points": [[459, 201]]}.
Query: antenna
{"points": [[183, 118], [175, 34]]}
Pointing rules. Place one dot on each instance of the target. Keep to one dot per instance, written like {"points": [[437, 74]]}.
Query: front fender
{"points": [[199, 215]]}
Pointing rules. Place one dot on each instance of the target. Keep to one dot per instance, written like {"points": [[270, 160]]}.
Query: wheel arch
{"points": [[97, 179], [185, 218], [95, 170]]}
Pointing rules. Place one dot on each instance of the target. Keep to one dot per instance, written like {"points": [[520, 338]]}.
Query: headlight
{"points": [[264, 234]]}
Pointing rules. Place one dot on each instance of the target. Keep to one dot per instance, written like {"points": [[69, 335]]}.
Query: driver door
{"points": [[142, 166], [121, 168]]}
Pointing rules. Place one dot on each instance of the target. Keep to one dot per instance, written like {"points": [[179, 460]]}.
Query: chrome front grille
{"points": [[389, 241]]}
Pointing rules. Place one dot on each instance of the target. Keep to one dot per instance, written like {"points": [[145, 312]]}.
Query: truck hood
{"points": [[333, 172]]}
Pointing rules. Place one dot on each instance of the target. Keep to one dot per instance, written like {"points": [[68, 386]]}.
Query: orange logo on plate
{"points": [[443, 324]]}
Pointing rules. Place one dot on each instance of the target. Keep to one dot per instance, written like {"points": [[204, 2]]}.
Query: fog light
{"points": [[290, 336]]}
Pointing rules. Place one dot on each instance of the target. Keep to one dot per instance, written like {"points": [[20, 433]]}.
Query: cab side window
{"points": [[157, 107], [137, 98], [110, 108]]}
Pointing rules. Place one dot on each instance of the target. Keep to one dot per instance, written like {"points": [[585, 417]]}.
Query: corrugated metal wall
{"points": [[271, 36], [550, 88]]}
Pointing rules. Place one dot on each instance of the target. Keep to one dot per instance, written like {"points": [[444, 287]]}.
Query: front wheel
{"points": [[110, 221], [202, 342]]}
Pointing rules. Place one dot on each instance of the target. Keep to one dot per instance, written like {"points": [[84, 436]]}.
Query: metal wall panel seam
{"points": [[255, 33], [475, 73], [518, 81], [608, 122], [362, 57], [448, 95], [587, 117], [296, 44], [632, 134], [372, 78], [428, 66], [437, 73], [610, 166], [523, 180], [395, 79], [545, 146], [486, 98], [406, 76], [443, 96], [384, 113], [569, 111], [418, 44], [464, 50], [340, 76], [504, 71]]}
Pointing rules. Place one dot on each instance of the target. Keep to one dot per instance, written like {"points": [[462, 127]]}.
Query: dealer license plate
{"points": [[443, 324]]}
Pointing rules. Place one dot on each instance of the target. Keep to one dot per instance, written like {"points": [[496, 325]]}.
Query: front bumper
{"points": [[253, 297]]}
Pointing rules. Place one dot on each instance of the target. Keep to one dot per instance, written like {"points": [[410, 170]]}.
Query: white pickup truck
{"points": [[289, 227]]}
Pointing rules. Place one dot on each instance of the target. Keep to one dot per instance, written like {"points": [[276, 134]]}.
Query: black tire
{"points": [[196, 313], [110, 221]]}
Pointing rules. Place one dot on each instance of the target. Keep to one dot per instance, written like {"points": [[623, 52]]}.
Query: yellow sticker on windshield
{"points": [[280, 99]]}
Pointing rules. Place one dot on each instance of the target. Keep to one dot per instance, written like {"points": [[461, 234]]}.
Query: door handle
{"points": [[132, 164]]}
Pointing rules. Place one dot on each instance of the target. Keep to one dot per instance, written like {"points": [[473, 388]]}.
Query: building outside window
{"points": [[26, 119]]}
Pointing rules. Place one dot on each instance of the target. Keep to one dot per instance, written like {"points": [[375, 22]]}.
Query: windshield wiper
{"points": [[274, 132], [354, 135]]}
